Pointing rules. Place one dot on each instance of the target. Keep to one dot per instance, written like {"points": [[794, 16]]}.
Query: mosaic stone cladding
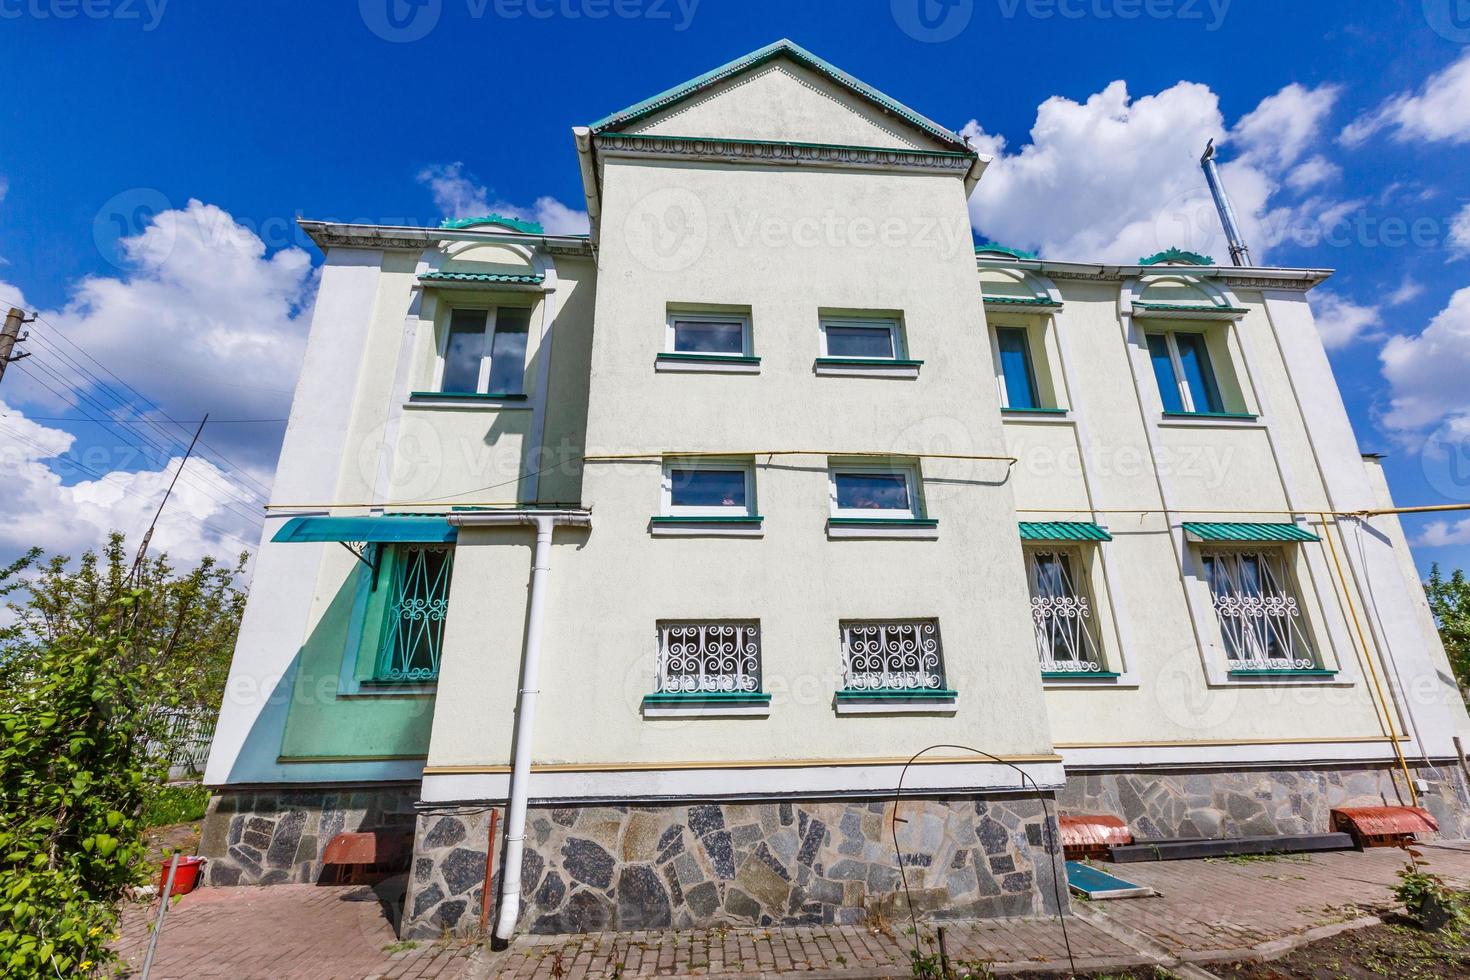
{"points": [[1258, 802], [594, 868], [274, 837]]}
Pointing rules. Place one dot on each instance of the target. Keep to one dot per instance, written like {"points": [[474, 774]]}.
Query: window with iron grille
{"points": [[1256, 604], [901, 655], [413, 622], [1061, 611], [709, 658]]}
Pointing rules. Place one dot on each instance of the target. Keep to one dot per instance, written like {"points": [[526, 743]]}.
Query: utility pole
{"points": [[11, 335]]}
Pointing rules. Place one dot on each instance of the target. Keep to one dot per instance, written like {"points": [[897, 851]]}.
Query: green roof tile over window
{"points": [[1062, 531], [480, 277], [1020, 301], [1216, 531], [407, 528]]}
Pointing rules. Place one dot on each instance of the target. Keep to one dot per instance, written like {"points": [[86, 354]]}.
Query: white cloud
{"points": [[1459, 238], [1426, 373], [1407, 290], [1311, 172], [1438, 113], [1438, 534], [66, 519], [1340, 321], [1116, 178], [459, 195]]}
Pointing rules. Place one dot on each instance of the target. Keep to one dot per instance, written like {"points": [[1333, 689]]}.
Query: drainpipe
{"points": [[520, 766]]}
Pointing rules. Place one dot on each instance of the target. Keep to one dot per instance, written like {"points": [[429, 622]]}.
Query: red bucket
{"points": [[186, 878]]}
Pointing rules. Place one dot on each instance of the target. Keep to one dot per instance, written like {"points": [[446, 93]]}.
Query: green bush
{"points": [[74, 773], [168, 805]]}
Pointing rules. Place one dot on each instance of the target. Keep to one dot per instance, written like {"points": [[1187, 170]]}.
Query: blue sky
{"points": [[1344, 128]]}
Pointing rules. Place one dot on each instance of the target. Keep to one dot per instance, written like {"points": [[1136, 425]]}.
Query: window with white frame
{"points": [[725, 334], [1255, 601], [709, 658], [899, 655], [1061, 610], [862, 338], [1186, 378], [484, 352], [709, 488], [874, 490]]}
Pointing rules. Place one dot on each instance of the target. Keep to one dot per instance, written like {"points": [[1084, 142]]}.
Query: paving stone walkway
{"points": [[1206, 911]]}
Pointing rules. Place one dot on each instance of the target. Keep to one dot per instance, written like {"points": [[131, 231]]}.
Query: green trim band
{"points": [[1068, 675], [892, 521], [468, 396], [1035, 411], [1309, 672], [899, 694], [724, 358], [874, 361], [710, 697], [1240, 416], [682, 519]]}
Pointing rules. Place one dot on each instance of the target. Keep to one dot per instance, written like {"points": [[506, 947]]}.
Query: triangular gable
{"points": [[782, 93]]}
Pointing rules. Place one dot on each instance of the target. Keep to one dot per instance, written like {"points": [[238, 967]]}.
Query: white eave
{"points": [[1261, 276], [329, 234]]}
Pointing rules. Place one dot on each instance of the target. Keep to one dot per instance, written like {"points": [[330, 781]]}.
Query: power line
{"points": [[212, 421]]}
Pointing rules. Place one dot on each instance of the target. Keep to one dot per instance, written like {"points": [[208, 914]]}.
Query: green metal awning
{"points": [[1217, 531], [416, 528], [1062, 531]]}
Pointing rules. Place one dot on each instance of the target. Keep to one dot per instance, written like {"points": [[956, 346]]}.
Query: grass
{"points": [[175, 804]]}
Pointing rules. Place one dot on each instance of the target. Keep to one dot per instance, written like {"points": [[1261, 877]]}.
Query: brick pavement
{"points": [[1206, 910]]}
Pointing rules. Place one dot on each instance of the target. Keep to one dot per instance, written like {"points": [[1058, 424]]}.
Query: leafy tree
{"points": [[1449, 600], [95, 663]]}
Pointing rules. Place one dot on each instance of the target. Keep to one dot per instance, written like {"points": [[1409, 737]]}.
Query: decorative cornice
{"points": [[991, 248], [516, 224], [1177, 256], [781, 153], [1298, 285]]}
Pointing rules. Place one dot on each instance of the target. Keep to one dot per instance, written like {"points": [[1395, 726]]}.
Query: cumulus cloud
{"points": [[1116, 178], [1438, 113], [1438, 534], [1340, 321], [1426, 373], [46, 511], [1406, 291], [1459, 237], [459, 195]]}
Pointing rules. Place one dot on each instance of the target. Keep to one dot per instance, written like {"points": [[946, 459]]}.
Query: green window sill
{"points": [[720, 358], [1080, 675], [899, 694], [1238, 416], [471, 396], [1034, 411], [874, 361], [883, 521], [1310, 672], [709, 697], [742, 519]]}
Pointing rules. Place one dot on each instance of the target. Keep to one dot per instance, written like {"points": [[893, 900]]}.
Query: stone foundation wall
{"points": [[593, 868], [1258, 802], [271, 837]]}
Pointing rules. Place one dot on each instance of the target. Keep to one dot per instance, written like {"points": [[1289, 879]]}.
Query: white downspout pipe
{"points": [[520, 766], [520, 763]]}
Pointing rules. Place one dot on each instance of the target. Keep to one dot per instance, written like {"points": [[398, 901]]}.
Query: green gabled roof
{"points": [[1014, 253], [1221, 531], [481, 277], [1188, 308], [781, 48], [518, 224], [1020, 300], [1062, 531], [1177, 255]]}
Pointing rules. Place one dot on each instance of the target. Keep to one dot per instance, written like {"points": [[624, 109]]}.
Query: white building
{"points": [[773, 481]]}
